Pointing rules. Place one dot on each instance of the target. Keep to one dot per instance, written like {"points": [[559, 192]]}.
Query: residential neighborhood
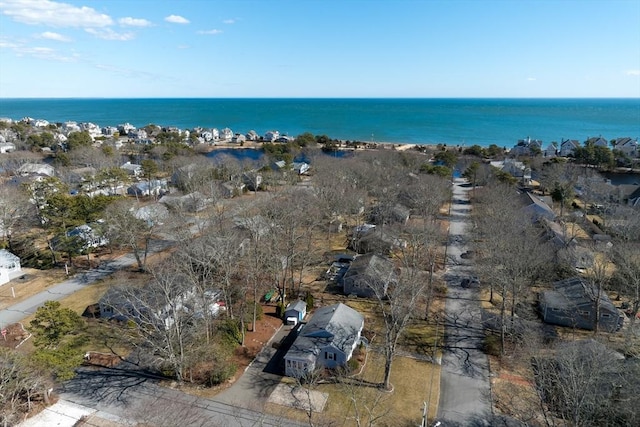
{"points": [[320, 274]]}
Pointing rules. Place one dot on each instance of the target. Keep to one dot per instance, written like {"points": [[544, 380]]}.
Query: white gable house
{"points": [[326, 341], [9, 266]]}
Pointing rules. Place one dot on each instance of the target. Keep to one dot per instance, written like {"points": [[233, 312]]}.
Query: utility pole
{"points": [[434, 358]]}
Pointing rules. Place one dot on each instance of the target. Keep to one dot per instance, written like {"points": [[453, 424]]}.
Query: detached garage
{"points": [[295, 312]]}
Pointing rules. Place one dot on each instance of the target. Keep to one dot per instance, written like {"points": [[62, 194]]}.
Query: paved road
{"points": [[465, 398], [129, 394], [19, 311]]}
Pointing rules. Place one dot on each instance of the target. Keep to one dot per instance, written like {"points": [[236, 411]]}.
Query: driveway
{"points": [[261, 377], [465, 393]]}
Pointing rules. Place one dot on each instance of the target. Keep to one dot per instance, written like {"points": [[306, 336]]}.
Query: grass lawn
{"points": [[34, 282], [414, 383]]}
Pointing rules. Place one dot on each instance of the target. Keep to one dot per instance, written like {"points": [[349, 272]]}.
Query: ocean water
{"points": [[419, 121]]}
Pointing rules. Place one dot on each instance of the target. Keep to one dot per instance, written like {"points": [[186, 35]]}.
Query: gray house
{"points": [[295, 312], [327, 340], [369, 275], [573, 303]]}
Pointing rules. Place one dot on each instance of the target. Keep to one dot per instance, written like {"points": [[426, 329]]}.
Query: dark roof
{"points": [[371, 265], [574, 292]]}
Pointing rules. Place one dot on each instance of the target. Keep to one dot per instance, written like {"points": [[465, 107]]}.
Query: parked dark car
{"points": [[467, 282]]}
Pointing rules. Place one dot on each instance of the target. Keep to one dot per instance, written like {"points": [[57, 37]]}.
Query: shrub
{"points": [[492, 345], [353, 364], [230, 334], [220, 373], [309, 300]]}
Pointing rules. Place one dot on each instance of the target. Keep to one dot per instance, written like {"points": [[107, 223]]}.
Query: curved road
{"points": [[465, 392]]}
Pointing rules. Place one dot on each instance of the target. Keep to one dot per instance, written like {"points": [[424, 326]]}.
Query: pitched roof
{"points": [[336, 324], [7, 259], [573, 292], [371, 265], [299, 305], [537, 209]]}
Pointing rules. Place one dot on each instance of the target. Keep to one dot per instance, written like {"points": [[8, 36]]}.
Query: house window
{"points": [[583, 312], [555, 309], [329, 356], [605, 315]]}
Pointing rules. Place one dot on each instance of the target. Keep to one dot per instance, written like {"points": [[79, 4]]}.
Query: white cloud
{"points": [[109, 34], [54, 36], [134, 22], [55, 14], [44, 53], [229, 21], [6, 43], [176, 19], [531, 79], [633, 72], [210, 32], [183, 46]]}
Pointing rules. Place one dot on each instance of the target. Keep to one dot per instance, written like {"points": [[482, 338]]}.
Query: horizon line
{"points": [[326, 98]]}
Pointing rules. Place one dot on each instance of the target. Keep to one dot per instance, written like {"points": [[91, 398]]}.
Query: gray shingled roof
{"points": [[575, 292], [336, 324]]}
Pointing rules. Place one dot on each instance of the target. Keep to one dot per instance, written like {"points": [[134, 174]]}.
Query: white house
{"points": [[301, 167], [91, 236], [125, 128], [155, 187], [40, 123], [36, 169], [93, 129], [252, 135], [68, 127], [238, 138], [226, 134], [9, 266], [132, 169], [6, 147], [271, 135], [327, 340]]}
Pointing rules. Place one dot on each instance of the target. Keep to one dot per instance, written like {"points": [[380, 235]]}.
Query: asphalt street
{"points": [[465, 393]]}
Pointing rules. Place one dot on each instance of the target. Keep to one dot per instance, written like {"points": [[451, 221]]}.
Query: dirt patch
{"points": [[13, 335]]}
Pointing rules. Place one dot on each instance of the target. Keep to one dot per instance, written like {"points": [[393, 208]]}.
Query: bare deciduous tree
{"points": [[586, 384], [15, 210], [627, 258], [124, 228]]}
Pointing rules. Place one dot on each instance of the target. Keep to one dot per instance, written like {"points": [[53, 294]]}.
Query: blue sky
{"points": [[328, 48]]}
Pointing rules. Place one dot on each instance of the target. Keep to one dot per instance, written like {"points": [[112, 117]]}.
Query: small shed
{"points": [[295, 312]]}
